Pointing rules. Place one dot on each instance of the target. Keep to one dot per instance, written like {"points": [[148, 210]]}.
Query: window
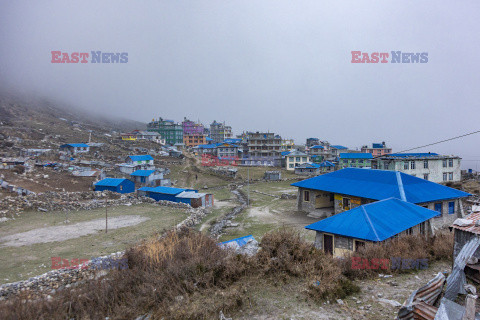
{"points": [[412, 165], [346, 204], [297, 159], [422, 228], [359, 244], [438, 208], [450, 176], [360, 161], [445, 163], [445, 176], [306, 195], [451, 207], [425, 176], [290, 165], [290, 159], [345, 161], [425, 164], [405, 166], [450, 163], [409, 231], [304, 159]]}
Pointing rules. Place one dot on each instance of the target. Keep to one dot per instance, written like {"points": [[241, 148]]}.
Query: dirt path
{"points": [[66, 232]]}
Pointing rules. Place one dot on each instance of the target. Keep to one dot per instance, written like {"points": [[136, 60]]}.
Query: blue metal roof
{"points": [[317, 147], [377, 145], [208, 139], [308, 165], [207, 146], [285, 153], [76, 145], [339, 147], [327, 164], [141, 157], [167, 190], [380, 185], [356, 156], [146, 189], [375, 221], [240, 241], [110, 182], [407, 155], [232, 140], [142, 173]]}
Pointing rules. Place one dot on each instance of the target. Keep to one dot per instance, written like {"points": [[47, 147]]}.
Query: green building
{"points": [[169, 130], [355, 160]]}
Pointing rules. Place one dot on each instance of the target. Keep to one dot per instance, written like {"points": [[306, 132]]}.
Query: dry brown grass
{"points": [[440, 247], [186, 275]]}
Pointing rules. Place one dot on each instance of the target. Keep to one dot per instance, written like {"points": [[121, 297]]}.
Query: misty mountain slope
{"points": [[32, 118]]}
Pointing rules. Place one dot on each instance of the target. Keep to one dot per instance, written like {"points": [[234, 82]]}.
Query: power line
{"points": [[434, 143]]}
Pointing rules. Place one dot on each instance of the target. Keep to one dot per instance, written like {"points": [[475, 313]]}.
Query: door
{"points": [[328, 243]]}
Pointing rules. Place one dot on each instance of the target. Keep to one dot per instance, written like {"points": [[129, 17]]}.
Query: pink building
{"points": [[377, 149], [191, 128]]}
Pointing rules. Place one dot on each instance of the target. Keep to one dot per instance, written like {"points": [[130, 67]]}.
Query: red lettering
{"points": [[65, 58], [84, 56], [355, 55], [365, 58], [374, 57], [55, 57], [75, 57], [384, 56], [384, 263], [56, 262], [356, 263], [84, 263]]}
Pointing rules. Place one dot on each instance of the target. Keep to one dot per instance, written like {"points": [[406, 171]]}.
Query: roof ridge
{"points": [[365, 214], [400, 186]]}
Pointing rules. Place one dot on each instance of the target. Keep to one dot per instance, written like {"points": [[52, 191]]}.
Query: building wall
{"points": [[294, 161], [317, 200], [344, 245], [355, 163], [435, 170], [460, 239], [194, 140], [446, 219]]}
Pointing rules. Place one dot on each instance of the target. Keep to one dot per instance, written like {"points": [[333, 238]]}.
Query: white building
{"points": [[295, 159], [429, 166]]}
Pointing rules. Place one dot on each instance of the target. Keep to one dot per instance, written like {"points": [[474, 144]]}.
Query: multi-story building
{"points": [[429, 166], [193, 140], [355, 160], [169, 130], [312, 142], [262, 148], [192, 128], [219, 132], [287, 144], [296, 158], [377, 149]]}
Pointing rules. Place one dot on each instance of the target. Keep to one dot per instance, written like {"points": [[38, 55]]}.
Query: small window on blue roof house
{"points": [[438, 208]]}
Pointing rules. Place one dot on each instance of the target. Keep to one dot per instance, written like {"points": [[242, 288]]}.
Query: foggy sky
{"points": [[283, 66]]}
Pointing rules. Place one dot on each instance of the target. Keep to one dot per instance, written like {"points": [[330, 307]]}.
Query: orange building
{"points": [[193, 140]]}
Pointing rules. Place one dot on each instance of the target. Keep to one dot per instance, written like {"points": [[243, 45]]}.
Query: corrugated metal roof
{"points": [[356, 156], [142, 173], [240, 241], [338, 147], [110, 182], [190, 195], [308, 165], [75, 145], [475, 216], [317, 147], [408, 155], [144, 157], [379, 185], [146, 189], [375, 221], [326, 164], [167, 190]]}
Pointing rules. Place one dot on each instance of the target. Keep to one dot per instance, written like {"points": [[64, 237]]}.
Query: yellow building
{"points": [[194, 140]]}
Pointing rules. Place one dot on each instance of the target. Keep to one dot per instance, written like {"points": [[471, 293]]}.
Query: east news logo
{"points": [[395, 57], [96, 57]]}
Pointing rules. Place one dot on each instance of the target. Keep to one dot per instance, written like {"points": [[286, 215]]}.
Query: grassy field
{"points": [[267, 213], [35, 259]]}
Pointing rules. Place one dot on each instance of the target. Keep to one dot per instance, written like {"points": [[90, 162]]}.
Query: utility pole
{"points": [[106, 217], [248, 187]]}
